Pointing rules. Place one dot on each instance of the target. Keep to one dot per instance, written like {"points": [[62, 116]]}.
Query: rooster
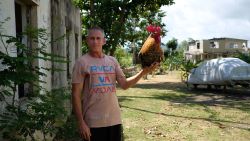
{"points": [[151, 50]]}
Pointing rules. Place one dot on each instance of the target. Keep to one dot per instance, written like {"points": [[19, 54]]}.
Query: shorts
{"points": [[110, 133]]}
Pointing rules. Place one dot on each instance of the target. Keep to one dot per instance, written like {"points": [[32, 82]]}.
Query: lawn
{"points": [[163, 109]]}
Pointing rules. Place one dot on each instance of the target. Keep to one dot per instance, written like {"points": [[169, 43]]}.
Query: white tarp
{"points": [[220, 71]]}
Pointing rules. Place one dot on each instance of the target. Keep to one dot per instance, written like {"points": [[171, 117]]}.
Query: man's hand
{"points": [[126, 83], [84, 131], [150, 68]]}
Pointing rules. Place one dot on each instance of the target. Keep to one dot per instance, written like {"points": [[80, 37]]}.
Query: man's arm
{"points": [[77, 108], [126, 83]]}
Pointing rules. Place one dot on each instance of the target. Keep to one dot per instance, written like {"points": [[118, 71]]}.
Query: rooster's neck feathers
{"points": [[157, 37], [155, 32]]}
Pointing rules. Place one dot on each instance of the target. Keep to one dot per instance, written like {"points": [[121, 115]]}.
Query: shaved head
{"points": [[96, 28]]}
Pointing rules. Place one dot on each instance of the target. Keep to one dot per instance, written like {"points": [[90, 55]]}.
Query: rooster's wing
{"points": [[150, 52]]}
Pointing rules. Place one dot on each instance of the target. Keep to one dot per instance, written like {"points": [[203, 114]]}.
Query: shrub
{"points": [[40, 112]]}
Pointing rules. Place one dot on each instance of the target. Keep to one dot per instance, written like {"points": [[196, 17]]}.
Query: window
{"points": [[236, 45], [198, 45], [18, 19], [244, 45], [21, 20], [212, 45], [19, 29], [233, 45]]}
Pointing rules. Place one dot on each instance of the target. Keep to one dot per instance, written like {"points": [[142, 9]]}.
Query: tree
{"points": [[136, 30], [115, 17], [186, 67], [172, 44], [174, 60], [183, 45], [190, 40], [243, 56]]}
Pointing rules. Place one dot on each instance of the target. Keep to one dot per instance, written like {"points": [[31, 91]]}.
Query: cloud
{"points": [[207, 19]]}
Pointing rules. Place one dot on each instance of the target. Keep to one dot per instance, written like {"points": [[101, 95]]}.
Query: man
{"points": [[95, 103]]}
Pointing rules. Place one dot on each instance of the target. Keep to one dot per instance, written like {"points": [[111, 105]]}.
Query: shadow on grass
{"points": [[181, 87], [193, 100], [240, 125], [180, 94], [229, 98]]}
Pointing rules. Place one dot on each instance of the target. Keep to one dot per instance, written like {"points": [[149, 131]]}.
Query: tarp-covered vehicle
{"points": [[220, 72]]}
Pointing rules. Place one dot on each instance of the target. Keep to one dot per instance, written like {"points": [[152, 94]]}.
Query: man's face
{"points": [[95, 40]]}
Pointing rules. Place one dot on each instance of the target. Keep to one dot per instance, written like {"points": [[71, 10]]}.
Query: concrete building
{"points": [[214, 48], [58, 17]]}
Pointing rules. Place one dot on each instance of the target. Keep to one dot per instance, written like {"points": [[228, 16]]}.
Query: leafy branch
{"points": [[36, 112]]}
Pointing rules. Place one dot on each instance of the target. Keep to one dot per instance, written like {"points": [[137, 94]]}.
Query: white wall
{"points": [[7, 10], [44, 21], [8, 27]]}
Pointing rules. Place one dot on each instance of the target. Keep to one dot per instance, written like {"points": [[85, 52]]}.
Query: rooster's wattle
{"points": [[151, 50]]}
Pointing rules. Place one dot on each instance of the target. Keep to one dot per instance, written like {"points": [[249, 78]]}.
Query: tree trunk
{"points": [[92, 8]]}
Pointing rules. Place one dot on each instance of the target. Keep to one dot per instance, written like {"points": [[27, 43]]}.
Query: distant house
{"points": [[58, 17], [214, 48]]}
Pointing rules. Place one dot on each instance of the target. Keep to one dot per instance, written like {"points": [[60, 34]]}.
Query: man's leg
{"points": [[99, 134], [115, 133], [111, 133]]}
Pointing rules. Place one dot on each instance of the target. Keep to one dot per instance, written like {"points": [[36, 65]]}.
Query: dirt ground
{"points": [[170, 77]]}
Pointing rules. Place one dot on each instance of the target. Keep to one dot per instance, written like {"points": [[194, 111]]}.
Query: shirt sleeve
{"points": [[78, 73], [118, 71]]}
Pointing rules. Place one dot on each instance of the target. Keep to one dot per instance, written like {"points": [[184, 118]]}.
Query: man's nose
{"points": [[95, 40]]}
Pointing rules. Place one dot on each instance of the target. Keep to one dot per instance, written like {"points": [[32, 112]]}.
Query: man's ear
{"points": [[104, 41]]}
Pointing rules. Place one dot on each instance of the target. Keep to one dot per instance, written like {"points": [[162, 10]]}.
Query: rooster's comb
{"points": [[154, 29]]}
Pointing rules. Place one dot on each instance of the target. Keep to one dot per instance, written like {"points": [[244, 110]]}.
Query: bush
{"points": [[40, 112], [123, 57]]}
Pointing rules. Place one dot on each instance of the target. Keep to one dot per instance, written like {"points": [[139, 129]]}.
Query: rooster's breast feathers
{"points": [[150, 52]]}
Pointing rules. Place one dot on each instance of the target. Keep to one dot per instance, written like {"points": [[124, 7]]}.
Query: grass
{"points": [[168, 111]]}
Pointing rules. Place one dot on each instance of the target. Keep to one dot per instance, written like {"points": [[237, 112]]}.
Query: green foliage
{"points": [[20, 121], [167, 53], [186, 68], [243, 56], [136, 33], [68, 131], [174, 61], [116, 18], [39, 114], [183, 46], [20, 68], [119, 53], [177, 61], [172, 44], [123, 57]]}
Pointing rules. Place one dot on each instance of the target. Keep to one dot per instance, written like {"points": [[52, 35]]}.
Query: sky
{"points": [[206, 19]]}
